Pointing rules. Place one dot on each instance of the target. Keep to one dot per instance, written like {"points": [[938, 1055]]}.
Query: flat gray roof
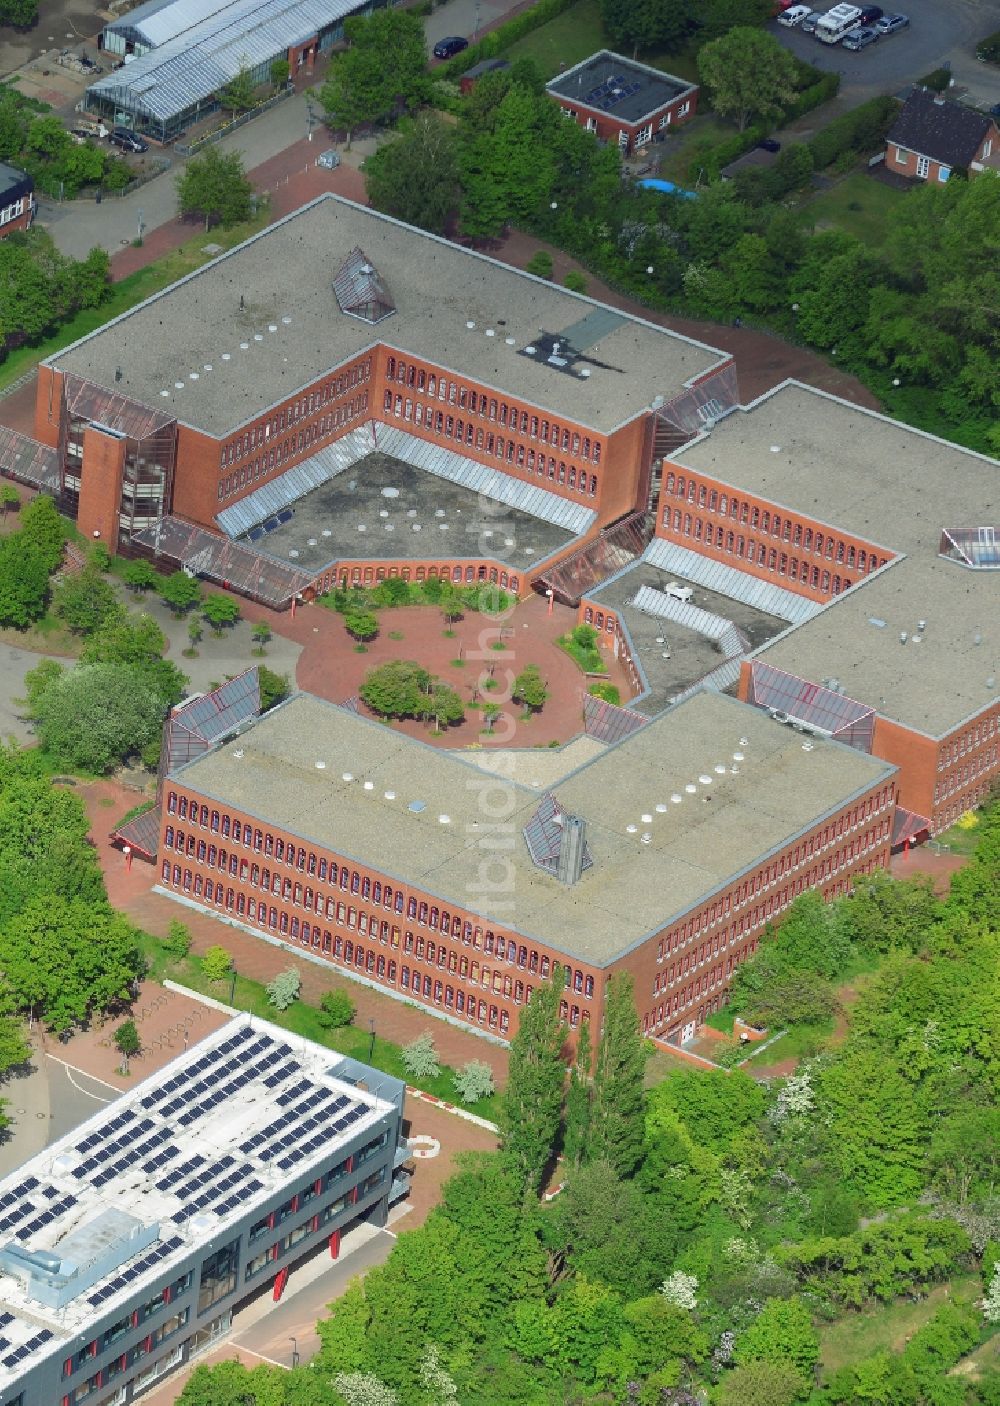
{"points": [[277, 287], [863, 473], [620, 87], [447, 844]]}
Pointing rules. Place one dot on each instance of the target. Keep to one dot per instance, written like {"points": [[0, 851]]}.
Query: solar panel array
{"points": [[135, 1269], [614, 90], [20, 1213], [26, 1348]]}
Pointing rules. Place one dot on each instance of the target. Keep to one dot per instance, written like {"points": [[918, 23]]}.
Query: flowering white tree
{"points": [[435, 1378], [681, 1290], [364, 1389], [991, 1303], [795, 1097]]}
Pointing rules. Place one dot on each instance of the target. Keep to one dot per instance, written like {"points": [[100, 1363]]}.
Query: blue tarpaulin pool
{"points": [[668, 188]]}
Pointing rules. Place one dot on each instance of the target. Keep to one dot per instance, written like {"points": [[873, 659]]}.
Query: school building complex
{"points": [[813, 586], [127, 1245]]}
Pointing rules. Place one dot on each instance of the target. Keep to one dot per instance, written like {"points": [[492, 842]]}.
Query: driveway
{"points": [[941, 32]]}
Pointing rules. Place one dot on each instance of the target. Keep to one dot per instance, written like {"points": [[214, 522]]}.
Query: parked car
{"points": [[808, 25], [448, 48], [869, 14], [768, 144], [859, 38], [126, 140], [794, 15], [888, 24]]}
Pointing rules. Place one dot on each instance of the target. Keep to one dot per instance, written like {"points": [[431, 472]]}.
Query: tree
{"points": [[280, 72], [397, 689], [285, 988], [19, 13], [9, 497], [273, 687], [384, 68], [85, 601], [67, 959], [646, 24], [415, 177], [214, 186], [337, 1009], [617, 1126], [261, 634], [127, 1042], [238, 93], [748, 72], [474, 1081], [579, 1100], [529, 688], [95, 716], [361, 624], [443, 704], [195, 636], [180, 592], [138, 641], [220, 611], [216, 963], [24, 581], [139, 576], [421, 1058], [42, 526], [532, 1101]]}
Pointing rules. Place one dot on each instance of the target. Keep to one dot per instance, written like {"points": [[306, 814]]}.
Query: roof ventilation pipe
{"points": [[571, 843]]}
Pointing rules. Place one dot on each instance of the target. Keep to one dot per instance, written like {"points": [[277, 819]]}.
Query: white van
{"points": [[793, 16], [837, 22]]}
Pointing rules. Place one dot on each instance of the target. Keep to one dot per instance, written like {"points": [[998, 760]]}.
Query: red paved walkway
{"points": [[330, 667]]}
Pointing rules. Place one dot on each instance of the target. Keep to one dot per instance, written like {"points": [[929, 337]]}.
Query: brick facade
{"points": [[454, 962], [763, 539]]}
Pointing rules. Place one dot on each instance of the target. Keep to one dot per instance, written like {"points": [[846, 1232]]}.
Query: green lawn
{"points": [[127, 293], [859, 1335], [304, 1020], [858, 204], [959, 839], [575, 35]]}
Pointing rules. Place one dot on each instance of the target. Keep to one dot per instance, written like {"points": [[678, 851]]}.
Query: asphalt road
{"points": [[941, 31]]}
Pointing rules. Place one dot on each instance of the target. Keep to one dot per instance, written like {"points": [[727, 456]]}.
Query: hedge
{"points": [[494, 43], [862, 130], [988, 49]]}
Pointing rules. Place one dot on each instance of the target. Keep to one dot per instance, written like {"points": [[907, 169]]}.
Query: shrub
{"points": [[177, 943], [988, 49], [216, 963], [420, 1057], [285, 988], [606, 691], [540, 264], [938, 80], [584, 635], [575, 282], [337, 1009], [474, 1081], [862, 130]]}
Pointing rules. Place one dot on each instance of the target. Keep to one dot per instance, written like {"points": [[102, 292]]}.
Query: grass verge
{"points": [[304, 1019], [856, 1336], [859, 205]]}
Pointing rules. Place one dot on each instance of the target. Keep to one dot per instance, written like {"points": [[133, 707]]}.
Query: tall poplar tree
{"points": [[617, 1121], [532, 1101], [576, 1130]]}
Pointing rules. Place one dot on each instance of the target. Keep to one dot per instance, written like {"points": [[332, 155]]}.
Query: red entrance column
{"points": [[335, 1245]]}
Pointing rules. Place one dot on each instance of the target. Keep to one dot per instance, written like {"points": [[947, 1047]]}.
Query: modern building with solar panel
{"points": [[178, 54], [128, 1244], [623, 101]]}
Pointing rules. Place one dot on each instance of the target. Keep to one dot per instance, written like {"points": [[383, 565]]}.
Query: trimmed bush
{"points": [[504, 36], [862, 131]]}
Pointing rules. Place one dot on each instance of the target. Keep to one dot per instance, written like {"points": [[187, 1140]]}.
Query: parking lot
{"points": [[940, 32]]}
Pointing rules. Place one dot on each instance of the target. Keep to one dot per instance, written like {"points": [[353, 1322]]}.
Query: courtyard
{"points": [[382, 508]]}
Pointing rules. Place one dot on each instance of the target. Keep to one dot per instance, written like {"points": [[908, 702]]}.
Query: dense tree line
{"points": [[34, 139], [709, 1226]]}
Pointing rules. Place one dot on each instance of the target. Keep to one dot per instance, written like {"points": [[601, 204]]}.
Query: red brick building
{"points": [[449, 886], [623, 101], [932, 137], [196, 409], [17, 200]]}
